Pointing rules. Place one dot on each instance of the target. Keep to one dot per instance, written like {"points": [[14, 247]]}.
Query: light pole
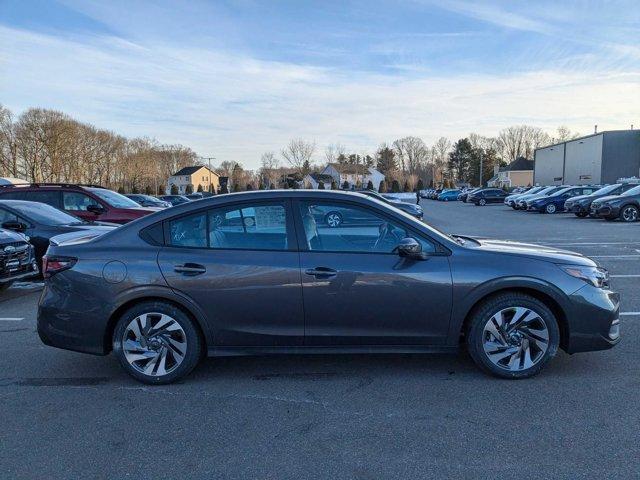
{"points": [[208, 159], [480, 169]]}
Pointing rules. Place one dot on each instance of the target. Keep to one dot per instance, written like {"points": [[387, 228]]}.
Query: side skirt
{"points": [[339, 349]]}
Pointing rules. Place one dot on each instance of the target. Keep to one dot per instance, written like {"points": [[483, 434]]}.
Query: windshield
{"points": [[557, 193], [45, 214], [113, 198], [607, 189], [633, 191]]}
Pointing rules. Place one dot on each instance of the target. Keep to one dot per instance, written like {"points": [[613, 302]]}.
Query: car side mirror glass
{"points": [[409, 247], [15, 226], [97, 209]]}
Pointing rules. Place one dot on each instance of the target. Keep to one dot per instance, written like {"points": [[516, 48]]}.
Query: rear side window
{"points": [[248, 227], [45, 196], [12, 195]]}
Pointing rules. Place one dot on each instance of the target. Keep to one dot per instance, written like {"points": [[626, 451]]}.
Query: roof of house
{"points": [[349, 168], [190, 170], [520, 163], [321, 177]]}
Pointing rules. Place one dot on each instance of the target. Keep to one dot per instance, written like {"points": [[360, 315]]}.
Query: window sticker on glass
{"points": [[269, 217]]}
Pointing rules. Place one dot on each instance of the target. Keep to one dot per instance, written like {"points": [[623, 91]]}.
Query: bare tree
{"points": [[520, 141], [412, 153], [269, 169], [563, 134], [298, 153], [440, 156], [333, 152]]}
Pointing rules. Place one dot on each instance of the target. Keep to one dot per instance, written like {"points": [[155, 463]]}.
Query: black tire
{"points": [[610, 219], [333, 219], [483, 313], [4, 286], [629, 213], [581, 214], [193, 338]]}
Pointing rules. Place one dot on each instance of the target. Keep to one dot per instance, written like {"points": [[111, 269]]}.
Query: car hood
{"points": [[9, 236], [608, 198], [580, 198], [538, 252]]}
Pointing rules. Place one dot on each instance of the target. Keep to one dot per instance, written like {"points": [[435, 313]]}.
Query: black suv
{"points": [[16, 258]]}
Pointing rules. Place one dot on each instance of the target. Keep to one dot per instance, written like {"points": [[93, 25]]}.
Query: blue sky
{"points": [[234, 79]]}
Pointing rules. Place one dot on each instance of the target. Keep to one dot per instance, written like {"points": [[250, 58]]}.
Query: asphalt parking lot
{"points": [[67, 415]]}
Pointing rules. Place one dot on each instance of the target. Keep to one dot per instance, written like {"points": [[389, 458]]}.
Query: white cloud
{"points": [[236, 107]]}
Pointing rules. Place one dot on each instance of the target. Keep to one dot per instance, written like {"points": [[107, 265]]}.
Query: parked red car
{"points": [[89, 202]]}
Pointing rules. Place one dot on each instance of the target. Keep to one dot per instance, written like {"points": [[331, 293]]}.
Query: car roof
{"points": [[20, 203]]}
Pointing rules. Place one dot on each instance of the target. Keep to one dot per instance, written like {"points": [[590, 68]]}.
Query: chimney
{"points": [[595, 129]]}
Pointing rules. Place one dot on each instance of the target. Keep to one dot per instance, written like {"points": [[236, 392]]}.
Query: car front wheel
{"points": [[512, 336], [551, 208], [157, 343], [629, 214], [333, 219], [482, 202]]}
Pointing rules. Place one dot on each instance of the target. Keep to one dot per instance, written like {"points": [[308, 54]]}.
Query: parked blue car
{"points": [[555, 202], [449, 195]]}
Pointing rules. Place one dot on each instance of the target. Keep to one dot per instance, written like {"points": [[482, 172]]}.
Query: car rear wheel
{"points": [[629, 214], [333, 219], [5, 285], [482, 202], [581, 214], [157, 343], [551, 208], [512, 336]]}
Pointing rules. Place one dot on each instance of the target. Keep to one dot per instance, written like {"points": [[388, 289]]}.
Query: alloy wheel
{"points": [[630, 214], [333, 220], [482, 202], [551, 208], [154, 344], [515, 338]]}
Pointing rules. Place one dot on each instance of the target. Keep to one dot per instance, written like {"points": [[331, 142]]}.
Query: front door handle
{"points": [[190, 269], [321, 272]]}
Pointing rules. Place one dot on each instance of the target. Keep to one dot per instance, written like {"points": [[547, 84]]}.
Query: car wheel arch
{"points": [[544, 295], [198, 320]]}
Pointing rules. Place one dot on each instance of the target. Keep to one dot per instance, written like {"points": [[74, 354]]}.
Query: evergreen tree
{"points": [[345, 185], [174, 189], [334, 185], [461, 158], [369, 185], [199, 188], [382, 188], [249, 187], [320, 185], [386, 162], [189, 189], [405, 187], [395, 186], [121, 189], [420, 185]]}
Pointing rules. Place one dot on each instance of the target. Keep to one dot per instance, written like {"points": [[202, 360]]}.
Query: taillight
{"points": [[54, 264]]}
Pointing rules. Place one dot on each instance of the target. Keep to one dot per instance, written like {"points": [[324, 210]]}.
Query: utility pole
{"points": [[208, 159], [480, 169]]}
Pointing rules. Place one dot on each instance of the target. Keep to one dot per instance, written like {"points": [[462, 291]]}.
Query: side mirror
{"points": [[97, 209], [409, 247], [15, 226]]}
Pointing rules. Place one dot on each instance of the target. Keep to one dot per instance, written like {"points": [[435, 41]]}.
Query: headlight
{"points": [[596, 276]]}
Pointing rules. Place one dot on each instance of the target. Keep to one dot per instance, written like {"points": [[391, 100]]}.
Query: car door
{"points": [[240, 264], [358, 292]]}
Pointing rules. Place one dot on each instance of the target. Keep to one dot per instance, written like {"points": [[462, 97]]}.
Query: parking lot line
{"points": [[629, 314], [625, 276], [11, 319], [614, 256]]}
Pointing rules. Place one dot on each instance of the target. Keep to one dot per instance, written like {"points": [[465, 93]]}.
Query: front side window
{"points": [[45, 196], [248, 227], [337, 227], [7, 216], [77, 202]]}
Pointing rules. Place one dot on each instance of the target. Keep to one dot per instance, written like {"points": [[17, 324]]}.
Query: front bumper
{"points": [[576, 208], [17, 267], [593, 320], [608, 211]]}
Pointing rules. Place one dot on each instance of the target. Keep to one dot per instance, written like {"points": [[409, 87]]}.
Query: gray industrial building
{"points": [[594, 159]]}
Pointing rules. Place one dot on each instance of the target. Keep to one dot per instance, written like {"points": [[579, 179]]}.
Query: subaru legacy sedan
{"points": [[256, 273]]}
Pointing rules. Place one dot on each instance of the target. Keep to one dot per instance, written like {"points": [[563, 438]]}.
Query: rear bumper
{"points": [[593, 320], [68, 325]]}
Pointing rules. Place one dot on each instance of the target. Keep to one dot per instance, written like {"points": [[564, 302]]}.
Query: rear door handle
{"points": [[321, 272], [190, 269]]}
